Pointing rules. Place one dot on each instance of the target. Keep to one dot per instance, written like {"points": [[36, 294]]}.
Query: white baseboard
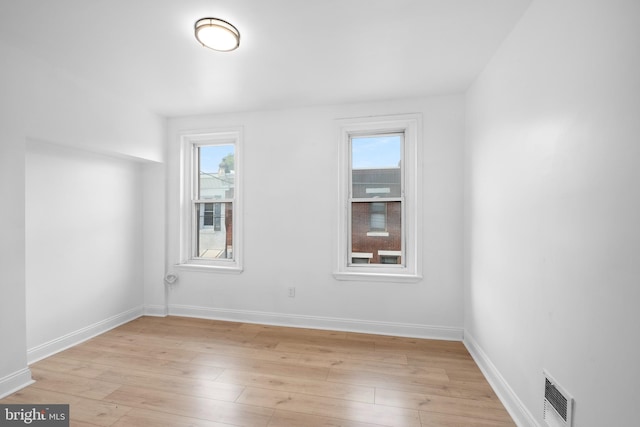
{"points": [[520, 414], [315, 322], [76, 337], [14, 382], [156, 310]]}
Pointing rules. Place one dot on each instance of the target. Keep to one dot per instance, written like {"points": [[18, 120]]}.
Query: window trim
{"points": [[188, 143], [411, 126]]}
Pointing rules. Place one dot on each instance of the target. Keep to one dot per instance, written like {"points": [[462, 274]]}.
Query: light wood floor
{"points": [[177, 372]]}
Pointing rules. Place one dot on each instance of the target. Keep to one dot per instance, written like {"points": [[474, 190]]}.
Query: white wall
{"points": [[154, 236], [291, 211], [13, 357], [552, 232], [83, 241], [43, 103]]}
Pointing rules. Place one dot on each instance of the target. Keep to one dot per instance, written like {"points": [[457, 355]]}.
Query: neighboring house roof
{"points": [[216, 185], [380, 182]]}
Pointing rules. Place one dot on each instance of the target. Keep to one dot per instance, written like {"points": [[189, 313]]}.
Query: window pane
{"points": [[366, 226], [375, 166], [378, 217], [216, 171], [208, 214], [214, 231]]}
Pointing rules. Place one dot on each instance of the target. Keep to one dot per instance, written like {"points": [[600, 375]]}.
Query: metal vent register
{"points": [[558, 404]]}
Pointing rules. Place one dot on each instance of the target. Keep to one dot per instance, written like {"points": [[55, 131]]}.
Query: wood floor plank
{"points": [[135, 325], [195, 322], [338, 408], [145, 418], [477, 384], [420, 345], [186, 386], [65, 365], [147, 351], [435, 374], [91, 388], [296, 419], [166, 367], [75, 423], [180, 372], [320, 355], [398, 342], [298, 385], [80, 354], [466, 374], [452, 390], [484, 409], [383, 379], [297, 334], [328, 344], [434, 357], [98, 412], [214, 347], [284, 368], [139, 345], [39, 396], [199, 335], [190, 406], [434, 419]]}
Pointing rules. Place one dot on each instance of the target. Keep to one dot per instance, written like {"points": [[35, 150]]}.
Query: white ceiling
{"points": [[292, 52]]}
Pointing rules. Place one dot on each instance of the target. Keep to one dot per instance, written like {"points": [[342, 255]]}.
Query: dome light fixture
{"points": [[217, 34]]}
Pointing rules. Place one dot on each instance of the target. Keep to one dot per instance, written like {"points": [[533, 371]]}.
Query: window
{"points": [[389, 257], [208, 215], [378, 219], [211, 214], [361, 257], [380, 201]]}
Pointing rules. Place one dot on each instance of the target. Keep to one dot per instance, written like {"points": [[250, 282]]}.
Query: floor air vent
{"points": [[558, 404]]}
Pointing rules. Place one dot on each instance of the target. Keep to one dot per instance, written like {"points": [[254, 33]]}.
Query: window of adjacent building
{"points": [[361, 257], [211, 208], [378, 218], [379, 198]]}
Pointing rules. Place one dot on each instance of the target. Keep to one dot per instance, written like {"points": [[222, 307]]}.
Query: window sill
{"points": [[377, 277], [209, 268]]}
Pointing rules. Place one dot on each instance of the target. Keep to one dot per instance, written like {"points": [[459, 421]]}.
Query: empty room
{"points": [[348, 213]]}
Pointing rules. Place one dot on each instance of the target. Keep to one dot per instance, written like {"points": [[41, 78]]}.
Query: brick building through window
{"points": [[376, 226]]}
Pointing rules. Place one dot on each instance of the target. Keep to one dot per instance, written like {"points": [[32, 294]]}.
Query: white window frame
{"points": [[411, 269], [188, 227]]}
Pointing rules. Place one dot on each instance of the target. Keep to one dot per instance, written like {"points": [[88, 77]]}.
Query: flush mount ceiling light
{"points": [[217, 34]]}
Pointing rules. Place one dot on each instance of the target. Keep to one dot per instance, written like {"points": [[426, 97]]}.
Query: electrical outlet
{"points": [[292, 292]]}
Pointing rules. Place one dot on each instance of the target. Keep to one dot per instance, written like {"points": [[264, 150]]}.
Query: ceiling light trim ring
{"points": [[204, 23]]}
